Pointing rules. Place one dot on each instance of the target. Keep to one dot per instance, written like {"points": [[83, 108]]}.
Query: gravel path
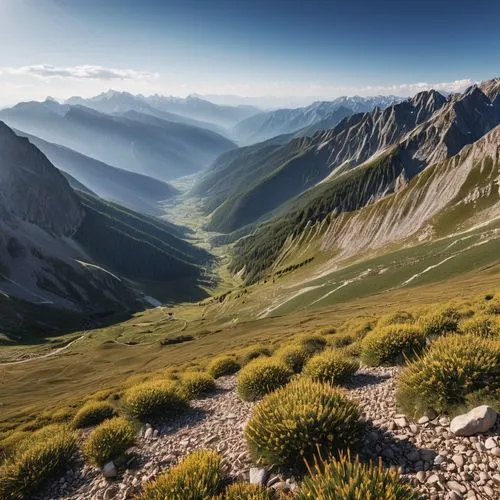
{"points": [[438, 464]]}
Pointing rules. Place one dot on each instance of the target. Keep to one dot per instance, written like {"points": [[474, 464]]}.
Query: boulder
{"points": [[257, 476], [478, 420], [109, 470]]}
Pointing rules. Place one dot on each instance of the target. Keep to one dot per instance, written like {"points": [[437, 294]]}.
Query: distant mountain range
{"points": [[137, 142], [319, 115], [76, 253]]}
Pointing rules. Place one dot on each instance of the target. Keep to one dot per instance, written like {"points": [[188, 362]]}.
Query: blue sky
{"points": [[316, 49]]}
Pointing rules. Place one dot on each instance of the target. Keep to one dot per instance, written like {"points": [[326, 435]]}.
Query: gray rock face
{"points": [[479, 419]]}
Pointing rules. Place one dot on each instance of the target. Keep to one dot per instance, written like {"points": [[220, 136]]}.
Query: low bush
{"points": [[352, 350], [299, 421], [395, 318], [342, 340], [294, 356], [93, 413], [254, 352], [481, 325], [154, 400], [346, 479], [223, 365], [492, 307], [331, 366], [440, 321], [109, 441], [197, 384], [260, 377], [312, 343], [197, 477], [391, 344], [454, 367], [40, 459], [247, 491], [358, 327]]}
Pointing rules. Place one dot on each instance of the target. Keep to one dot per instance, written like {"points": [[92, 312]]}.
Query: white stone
{"points": [[479, 419], [489, 444], [109, 470], [257, 476]]}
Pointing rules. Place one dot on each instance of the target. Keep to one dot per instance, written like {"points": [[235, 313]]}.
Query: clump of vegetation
{"points": [[223, 365], [260, 377], [109, 441], [331, 366], [441, 321], [352, 350], [246, 491], [299, 421], [312, 343], [294, 356], [358, 327], [346, 479], [391, 344], [156, 399], [254, 352], [395, 318], [454, 367], [481, 325], [492, 306], [41, 458], [93, 413], [197, 384], [197, 477], [342, 340]]}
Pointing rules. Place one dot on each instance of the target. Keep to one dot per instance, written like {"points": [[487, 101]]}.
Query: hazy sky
{"points": [[312, 48]]}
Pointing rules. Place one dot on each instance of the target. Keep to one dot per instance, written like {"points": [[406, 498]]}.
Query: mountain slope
{"points": [[163, 150], [47, 233], [395, 156], [319, 115], [129, 189], [272, 179]]}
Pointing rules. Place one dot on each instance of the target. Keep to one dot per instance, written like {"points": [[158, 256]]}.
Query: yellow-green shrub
{"points": [[196, 384], [40, 459], [346, 479], [390, 344], [254, 352], [300, 420], [260, 377], [340, 340], [330, 366], [395, 318], [197, 477], [492, 307], [156, 399], [246, 491], [481, 325], [293, 355], [352, 350], [109, 440], [312, 343], [93, 413], [358, 327], [440, 321], [453, 367], [223, 365]]}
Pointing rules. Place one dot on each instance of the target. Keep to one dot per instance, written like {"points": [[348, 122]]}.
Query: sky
{"points": [[278, 50]]}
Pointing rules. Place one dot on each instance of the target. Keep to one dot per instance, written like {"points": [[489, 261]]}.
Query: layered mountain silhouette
{"points": [[143, 144], [319, 115], [365, 158], [73, 252]]}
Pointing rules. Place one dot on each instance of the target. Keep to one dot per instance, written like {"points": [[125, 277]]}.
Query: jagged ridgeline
{"points": [[376, 178]]}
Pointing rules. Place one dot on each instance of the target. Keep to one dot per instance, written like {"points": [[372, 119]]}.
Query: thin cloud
{"points": [[83, 72]]}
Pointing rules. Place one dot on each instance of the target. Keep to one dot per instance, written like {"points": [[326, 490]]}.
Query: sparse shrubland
{"points": [[157, 399], [299, 421], [197, 477], [454, 367], [392, 344], [312, 343], [395, 318], [260, 377], [439, 321], [39, 459], [341, 340], [109, 441], [293, 355], [196, 384], [346, 479], [93, 413], [223, 365], [481, 325], [254, 352], [331, 366]]}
